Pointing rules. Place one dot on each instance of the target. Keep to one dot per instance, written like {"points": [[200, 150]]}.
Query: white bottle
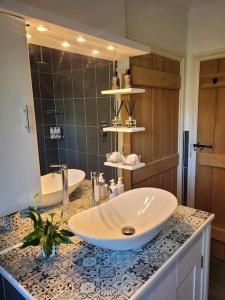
{"points": [[55, 133], [97, 191], [113, 189], [58, 132], [51, 133], [102, 186], [120, 185]]}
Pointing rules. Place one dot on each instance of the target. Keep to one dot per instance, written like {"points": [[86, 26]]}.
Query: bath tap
{"points": [[63, 170]]}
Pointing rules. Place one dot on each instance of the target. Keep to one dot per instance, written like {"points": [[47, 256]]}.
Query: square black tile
{"points": [[42, 161], [63, 156], [76, 60], [67, 84], [89, 82], [38, 111], [69, 111], [61, 60], [104, 110], [88, 61], [81, 139], [45, 62], [51, 158], [60, 115], [92, 140], [46, 85], [58, 85], [102, 78], [35, 84], [34, 55], [40, 137], [91, 111], [79, 106], [93, 163], [78, 83], [105, 143], [48, 112], [82, 161], [71, 138], [72, 159]]}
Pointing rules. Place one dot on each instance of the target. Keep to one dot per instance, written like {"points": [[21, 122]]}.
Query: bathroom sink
{"points": [[127, 221]]}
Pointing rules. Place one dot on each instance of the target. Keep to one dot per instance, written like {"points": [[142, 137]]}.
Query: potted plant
{"points": [[47, 233]]}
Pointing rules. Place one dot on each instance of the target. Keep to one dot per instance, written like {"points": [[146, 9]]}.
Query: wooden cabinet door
{"points": [[156, 110], [210, 163]]}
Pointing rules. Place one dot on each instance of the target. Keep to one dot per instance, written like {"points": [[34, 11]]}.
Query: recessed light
{"points": [[65, 44], [95, 51], [110, 47], [28, 35], [80, 39], [41, 28]]}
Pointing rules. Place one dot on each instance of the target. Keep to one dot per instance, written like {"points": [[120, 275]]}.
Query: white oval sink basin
{"points": [[144, 211]]}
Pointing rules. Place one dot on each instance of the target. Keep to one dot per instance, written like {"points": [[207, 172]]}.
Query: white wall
{"points": [[107, 15], [206, 27], [161, 23]]}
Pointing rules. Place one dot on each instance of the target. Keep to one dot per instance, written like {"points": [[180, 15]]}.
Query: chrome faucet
{"points": [[63, 170]]}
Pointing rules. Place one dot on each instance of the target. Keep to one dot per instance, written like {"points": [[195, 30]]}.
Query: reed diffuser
{"points": [[116, 107], [129, 107]]}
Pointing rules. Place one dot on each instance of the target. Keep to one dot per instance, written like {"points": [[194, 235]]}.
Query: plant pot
{"points": [[54, 252]]}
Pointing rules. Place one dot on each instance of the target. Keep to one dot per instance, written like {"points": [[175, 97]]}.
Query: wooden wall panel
{"points": [[157, 110]]}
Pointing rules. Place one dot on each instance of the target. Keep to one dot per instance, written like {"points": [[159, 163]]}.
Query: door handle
{"points": [[201, 146], [27, 125]]}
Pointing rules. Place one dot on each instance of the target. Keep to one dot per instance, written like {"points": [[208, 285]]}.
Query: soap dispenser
{"points": [[101, 186], [113, 189], [120, 185]]}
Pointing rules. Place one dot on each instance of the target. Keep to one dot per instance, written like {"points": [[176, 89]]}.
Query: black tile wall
{"points": [[71, 84]]}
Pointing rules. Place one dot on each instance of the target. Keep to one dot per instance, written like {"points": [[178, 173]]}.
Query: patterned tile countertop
{"points": [[83, 271]]}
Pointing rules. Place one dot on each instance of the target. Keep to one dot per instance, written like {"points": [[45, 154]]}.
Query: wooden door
{"points": [[210, 163], [157, 111]]}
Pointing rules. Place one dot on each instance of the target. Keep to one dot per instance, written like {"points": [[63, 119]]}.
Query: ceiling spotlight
{"points": [[95, 51], [110, 47], [41, 28], [80, 39], [28, 35], [65, 44]]}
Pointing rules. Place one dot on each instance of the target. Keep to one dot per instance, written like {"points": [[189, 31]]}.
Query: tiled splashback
{"points": [[71, 84]]}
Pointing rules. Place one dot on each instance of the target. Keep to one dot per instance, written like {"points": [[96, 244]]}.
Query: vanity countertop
{"points": [[83, 271]]}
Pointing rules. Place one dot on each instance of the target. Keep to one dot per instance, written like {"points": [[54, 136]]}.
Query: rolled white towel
{"points": [[115, 157], [131, 160]]}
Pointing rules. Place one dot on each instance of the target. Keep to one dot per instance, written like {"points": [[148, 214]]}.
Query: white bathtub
{"points": [[51, 186]]}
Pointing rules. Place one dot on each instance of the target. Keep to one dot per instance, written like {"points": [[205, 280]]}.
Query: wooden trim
{"points": [[156, 167], [152, 78], [211, 160], [218, 233], [211, 75], [212, 85]]}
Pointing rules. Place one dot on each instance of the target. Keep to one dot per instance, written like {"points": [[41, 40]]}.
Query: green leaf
{"points": [[66, 232], [61, 238]]}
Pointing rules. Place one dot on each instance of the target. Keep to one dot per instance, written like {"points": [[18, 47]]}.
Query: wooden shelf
{"points": [[125, 167], [123, 129], [123, 91]]}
